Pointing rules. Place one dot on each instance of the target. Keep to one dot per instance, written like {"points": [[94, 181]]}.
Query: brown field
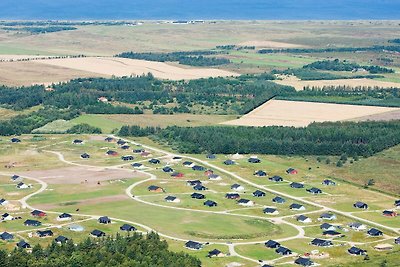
{"points": [[299, 84], [32, 72], [78, 175], [126, 67], [386, 116], [298, 113]]}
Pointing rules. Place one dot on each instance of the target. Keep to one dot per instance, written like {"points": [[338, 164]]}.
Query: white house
{"points": [[237, 187], [246, 202], [7, 217], [303, 219], [21, 185], [214, 177], [358, 226], [172, 199], [3, 202]]}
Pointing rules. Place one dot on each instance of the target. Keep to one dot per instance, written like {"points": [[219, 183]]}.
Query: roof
{"points": [[32, 222], [314, 190], [198, 168], [214, 252], [232, 195], [97, 233], [254, 160], [44, 233], [210, 203], [272, 244], [211, 156], [193, 245], [296, 206], [199, 187], [260, 173], [269, 210], [278, 200], [321, 242], [355, 225], [61, 239], [127, 227], [283, 250], [154, 161], [197, 196], [258, 193], [326, 226], [276, 178], [23, 244], [244, 201], [153, 188], [327, 215], [331, 232], [328, 182], [235, 186], [187, 163], [356, 250], [65, 215], [301, 218], [360, 205], [167, 169], [229, 162], [104, 219], [304, 261], [6, 236], [296, 185], [374, 232]]}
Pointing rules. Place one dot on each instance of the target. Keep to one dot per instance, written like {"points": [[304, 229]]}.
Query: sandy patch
{"points": [[270, 44], [299, 84], [386, 116], [126, 67], [298, 113], [77, 175]]}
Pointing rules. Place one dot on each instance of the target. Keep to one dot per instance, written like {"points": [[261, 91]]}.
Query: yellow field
{"points": [[126, 67], [298, 113]]}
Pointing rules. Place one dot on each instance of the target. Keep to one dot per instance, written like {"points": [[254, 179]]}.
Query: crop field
{"points": [[89, 188], [298, 113]]}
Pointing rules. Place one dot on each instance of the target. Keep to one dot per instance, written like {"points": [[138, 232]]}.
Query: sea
{"points": [[199, 9]]}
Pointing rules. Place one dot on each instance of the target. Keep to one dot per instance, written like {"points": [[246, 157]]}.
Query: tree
{"points": [[339, 164]]}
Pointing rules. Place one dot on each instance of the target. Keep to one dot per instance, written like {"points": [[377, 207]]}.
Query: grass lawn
{"points": [[257, 251]]}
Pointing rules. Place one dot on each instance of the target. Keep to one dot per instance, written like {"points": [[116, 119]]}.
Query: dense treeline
{"points": [[62, 23], [337, 65], [38, 30], [236, 47], [23, 124], [376, 48], [137, 131], [84, 128], [132, 251], [395, 41], [192, 58], [362, 139], [371, 96]]}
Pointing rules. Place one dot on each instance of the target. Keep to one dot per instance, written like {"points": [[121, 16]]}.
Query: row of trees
{"points": [[192, 58], [337, 65], [134, 250], [362, 139], [38, 30], [309, 74], [375, 48]]}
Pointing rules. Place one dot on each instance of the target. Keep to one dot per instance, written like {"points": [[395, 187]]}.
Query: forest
{"points": [[133, 251], [370, 96], [328, 138], [38, 30], [192, 58], [337, 65], [310, 74]]}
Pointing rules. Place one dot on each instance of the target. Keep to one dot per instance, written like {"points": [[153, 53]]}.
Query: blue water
{"points": [[199, 9]]}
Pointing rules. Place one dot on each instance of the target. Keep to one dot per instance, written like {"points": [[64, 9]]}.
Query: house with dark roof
{"points": [[127, 158], [304, 262], [3, 202], [154, 188], [276, 179], [296, 206], [85, 156], [397, 203], [258, 193], [357, 226], [260, 173], [154, 161], [15, 140], [360, 205], [211, 156], [7, 217], [104, 220], [237, 187], [44, 233], [229, 162], [321, 242], [6, 236], [328, 182], [125, 147], [328, 216], [16, 178], [23, 244], [32, 223], [22, 185], [374, 232], [291, 171], [198, 168], [389, 213], [254, 160], [193, 182], [210, 203], [283, 251], [278, 199], [111, 153], [137, 165], [272, 244], [245, 202], [188, 164], [327, 227], [38, 213], [64, 217], [77, 142], [303, 219], [232, 196], [176, 158], [272, 211], [397, 241], [167, 169], [61, 239], [215, 253], [314, 191], [214, 177], [121, 142], [109, 139], [357, 251], [127, 227], [197, 196], [331, 233], [172, 199], [296, 185], [193, 245], [97, 233], [199, 187], [138, 150]]}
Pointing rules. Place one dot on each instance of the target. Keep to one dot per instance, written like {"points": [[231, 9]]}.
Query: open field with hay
{"points": [[298, 113]]}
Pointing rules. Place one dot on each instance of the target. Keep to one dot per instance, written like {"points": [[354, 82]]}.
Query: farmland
{"points": [[293, 113]]}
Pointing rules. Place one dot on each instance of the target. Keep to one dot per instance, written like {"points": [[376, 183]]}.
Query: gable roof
{"points": [[214, 252], [269, 210], [193, 182], [199, 187], [304, 261], [23, 244], [232, 195], [154, 161], [32, 223], [170, 198], [104, 219], [193, 245], [302, 218], [61, 239], [360, 205], [328, 182], [276, 178], [254, 160], [321, 242], [327, 216], [314, 190], [356, 251], [229, 162], [154, 188], [210, 203], [197, 196], [258, 193], [198, 168], [296, 185], [283, 251], [65, 215], [272, 244], [243, 201], [260, 173], [296, 206], [44, 233], [326, 226], [374, 232], [278, 199], [235, 186], [97, 233], [127, 227], [331, 233], [6, 236]]}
